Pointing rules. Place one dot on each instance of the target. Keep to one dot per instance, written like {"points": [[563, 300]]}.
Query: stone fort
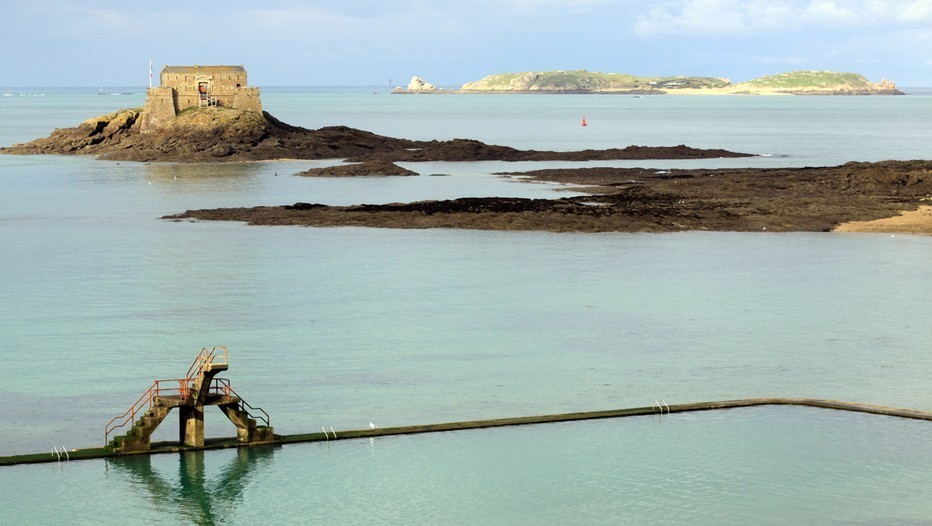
{"points": [[183, 87]]}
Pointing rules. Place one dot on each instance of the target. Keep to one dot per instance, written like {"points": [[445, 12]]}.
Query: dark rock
{"points": [[645, 200], [367, 168], [302, 206], [212, 134]]}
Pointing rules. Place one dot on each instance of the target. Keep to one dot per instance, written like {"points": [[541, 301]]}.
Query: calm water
{"points": [[756, 466], [342, 327]]}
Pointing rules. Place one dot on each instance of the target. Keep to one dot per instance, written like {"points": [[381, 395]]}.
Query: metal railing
{"points": [[205, 101], [244, 406], [182, 387], [179, 387], [215, 355], [130, 415]]}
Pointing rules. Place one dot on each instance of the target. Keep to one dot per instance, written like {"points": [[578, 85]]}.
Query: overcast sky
{"points": [[370, 42]]}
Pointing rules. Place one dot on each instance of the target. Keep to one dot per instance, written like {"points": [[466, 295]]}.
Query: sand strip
{"points": [[908, 222]]}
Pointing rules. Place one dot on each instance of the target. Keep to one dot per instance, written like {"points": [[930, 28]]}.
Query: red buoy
{"points": [[584, 121]]}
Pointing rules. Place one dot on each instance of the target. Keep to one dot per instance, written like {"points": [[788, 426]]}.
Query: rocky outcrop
{"points": [[91, 135], [418, 85], [221, 134], [645, 200], [471, 150], [207, 135], [518, 82], [367, 168], [887, 87]]}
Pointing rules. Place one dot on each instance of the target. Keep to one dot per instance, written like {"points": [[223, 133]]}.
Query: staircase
{"points": [[199, 388], [198, 379], [137, 438]]}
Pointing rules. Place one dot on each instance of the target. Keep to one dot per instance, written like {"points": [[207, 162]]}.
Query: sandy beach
{"points": [[908, 222]]}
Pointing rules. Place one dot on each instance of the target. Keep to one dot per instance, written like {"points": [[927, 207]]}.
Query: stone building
{"points": [[183, 87]]}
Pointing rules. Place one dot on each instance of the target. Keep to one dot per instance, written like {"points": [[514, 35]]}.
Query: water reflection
{"points": [[202, 179], [165, 172], [200, 497]]}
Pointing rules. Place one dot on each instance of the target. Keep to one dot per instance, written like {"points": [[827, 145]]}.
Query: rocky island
{"points": [[582, 81], [210, 114], [219, 134]]}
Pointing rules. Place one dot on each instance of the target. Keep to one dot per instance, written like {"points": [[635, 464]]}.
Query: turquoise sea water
{"points": [[342, 327], [758, 466]]}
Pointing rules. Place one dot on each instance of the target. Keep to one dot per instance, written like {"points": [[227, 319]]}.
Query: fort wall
{"points": [[184, 87], [160, 108]]}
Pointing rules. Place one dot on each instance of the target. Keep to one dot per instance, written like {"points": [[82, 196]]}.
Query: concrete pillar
{"points": [[192, 425]]}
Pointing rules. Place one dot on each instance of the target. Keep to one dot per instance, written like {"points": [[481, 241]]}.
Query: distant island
{"points": [[583, 81]]}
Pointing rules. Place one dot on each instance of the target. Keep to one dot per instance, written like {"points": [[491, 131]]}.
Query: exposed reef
{"points": [[363, 169], [470, 150], [644, 200], [217, 134]]}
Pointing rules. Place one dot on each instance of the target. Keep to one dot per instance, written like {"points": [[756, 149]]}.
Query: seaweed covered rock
{"points": [[214, 134], [368, 168]]}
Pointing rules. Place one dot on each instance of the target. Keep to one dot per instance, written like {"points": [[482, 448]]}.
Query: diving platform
{"points": [[200, 388]]}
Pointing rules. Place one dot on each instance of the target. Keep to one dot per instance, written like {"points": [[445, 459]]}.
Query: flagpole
{"points": [[150, 73]]}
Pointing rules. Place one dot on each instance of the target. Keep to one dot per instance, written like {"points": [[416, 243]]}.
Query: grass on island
{"points": [[583, 80], [809, 80]]}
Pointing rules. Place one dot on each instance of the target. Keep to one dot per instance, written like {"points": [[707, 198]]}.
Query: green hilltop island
{"points": [[582, 81]]}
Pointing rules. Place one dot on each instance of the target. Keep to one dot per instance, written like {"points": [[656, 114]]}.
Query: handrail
{"points": [[219, 386], [219, 359], [217, 355], [198, 363], [264, 417], [244, 405], [181, 389], [145, 400], [206, 358], [146, 397]]}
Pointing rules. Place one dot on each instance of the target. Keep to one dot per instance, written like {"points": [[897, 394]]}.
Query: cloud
{"points": [[535, 6], [917, 11], [827, 12], [727, 18], [715, 17]]}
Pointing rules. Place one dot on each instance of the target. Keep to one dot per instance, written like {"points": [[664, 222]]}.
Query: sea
{"points": [[337, 328]]}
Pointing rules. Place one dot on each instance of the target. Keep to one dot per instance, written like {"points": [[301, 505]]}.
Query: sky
{"points": [[382, 42]]}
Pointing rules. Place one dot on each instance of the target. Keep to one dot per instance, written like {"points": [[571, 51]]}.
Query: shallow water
{"points": [[345, 326]]}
